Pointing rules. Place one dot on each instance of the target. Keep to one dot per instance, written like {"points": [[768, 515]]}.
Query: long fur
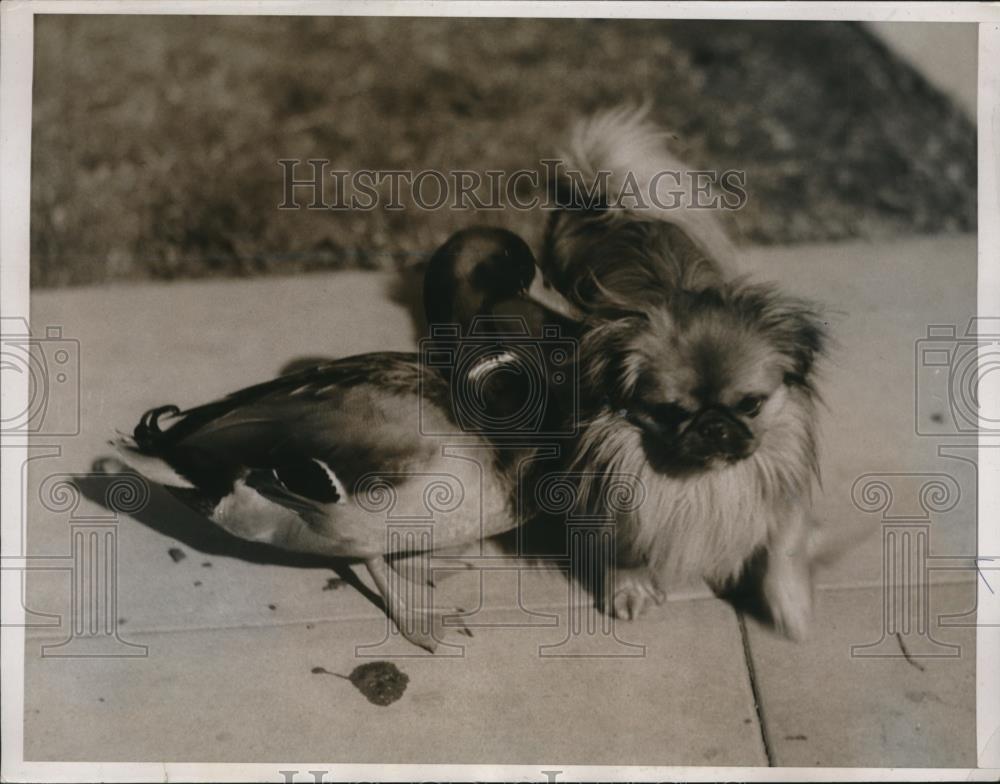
{"points": [[649, 277], [628, 150], [703, 526]]}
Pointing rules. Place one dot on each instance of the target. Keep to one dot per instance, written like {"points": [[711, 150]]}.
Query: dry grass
{"points": [[156, 139]]}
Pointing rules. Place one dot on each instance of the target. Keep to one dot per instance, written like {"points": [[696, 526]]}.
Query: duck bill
{"points": [[546, 296]]}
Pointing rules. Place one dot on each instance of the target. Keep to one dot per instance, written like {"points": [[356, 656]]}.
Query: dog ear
{"points": [[795, 327], [801, 334], [604, 303], [609, 362]]}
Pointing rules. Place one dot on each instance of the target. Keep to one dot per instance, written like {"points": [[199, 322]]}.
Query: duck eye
{"points": [[750, 405]]}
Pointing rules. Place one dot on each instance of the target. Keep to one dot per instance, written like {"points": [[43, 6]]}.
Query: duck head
{"points": [[479, 268]]}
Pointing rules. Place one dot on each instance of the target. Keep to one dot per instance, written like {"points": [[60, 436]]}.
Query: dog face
{"points": [[707, 374]]}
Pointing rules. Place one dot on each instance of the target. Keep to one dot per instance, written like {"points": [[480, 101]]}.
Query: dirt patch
{"points": [[381, 682]]}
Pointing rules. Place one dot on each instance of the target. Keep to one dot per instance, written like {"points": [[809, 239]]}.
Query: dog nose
{"points": [[715, 429]]}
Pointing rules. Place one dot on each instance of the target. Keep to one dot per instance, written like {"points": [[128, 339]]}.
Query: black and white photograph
{"points": [[499, 391]]}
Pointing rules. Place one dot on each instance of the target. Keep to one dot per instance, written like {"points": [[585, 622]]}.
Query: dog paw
{"points": [[633, 592], [789, 599]]}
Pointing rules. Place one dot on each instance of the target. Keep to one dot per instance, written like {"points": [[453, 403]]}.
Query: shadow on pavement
{"points": [[167, 515]]}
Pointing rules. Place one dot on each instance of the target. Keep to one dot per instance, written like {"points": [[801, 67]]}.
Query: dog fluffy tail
{"points": [[626, 153]]}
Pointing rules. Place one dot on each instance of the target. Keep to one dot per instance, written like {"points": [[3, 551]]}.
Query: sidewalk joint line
{"points": [[755, 691]]}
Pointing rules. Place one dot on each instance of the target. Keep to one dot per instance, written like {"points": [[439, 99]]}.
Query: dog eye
{"points": [[672, 414], [750, 405]]}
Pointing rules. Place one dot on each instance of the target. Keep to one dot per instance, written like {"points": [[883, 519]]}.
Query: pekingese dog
{"points": [[697, 382]]}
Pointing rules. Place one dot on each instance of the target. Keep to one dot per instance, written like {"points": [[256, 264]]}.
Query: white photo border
{"points": [[16, 67]]}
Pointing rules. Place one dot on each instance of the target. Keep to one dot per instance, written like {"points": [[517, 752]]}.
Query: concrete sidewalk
{"points": [[234, 644]]}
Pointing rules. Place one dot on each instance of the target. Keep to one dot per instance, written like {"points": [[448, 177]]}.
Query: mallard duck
{"points": [[309, 461], [479, 271]]}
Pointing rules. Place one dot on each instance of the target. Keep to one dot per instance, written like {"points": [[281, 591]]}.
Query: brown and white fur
{"points": [[696, 382]]}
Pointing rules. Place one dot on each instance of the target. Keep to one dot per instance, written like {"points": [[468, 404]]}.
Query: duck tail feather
{"points": [[147, 434], [148, 465]]}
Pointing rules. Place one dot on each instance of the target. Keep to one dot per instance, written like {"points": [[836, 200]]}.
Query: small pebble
{"points": [[177, 554]]}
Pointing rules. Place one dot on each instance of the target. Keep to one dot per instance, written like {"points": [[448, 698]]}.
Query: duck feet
{"points": [[428, 628], [409, 607]]}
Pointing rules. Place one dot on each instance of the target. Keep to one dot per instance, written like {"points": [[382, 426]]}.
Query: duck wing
{"points": [[342, 419]]}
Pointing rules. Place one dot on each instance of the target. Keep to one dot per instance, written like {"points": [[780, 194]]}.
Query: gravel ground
{"points": [[156, 139]]}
